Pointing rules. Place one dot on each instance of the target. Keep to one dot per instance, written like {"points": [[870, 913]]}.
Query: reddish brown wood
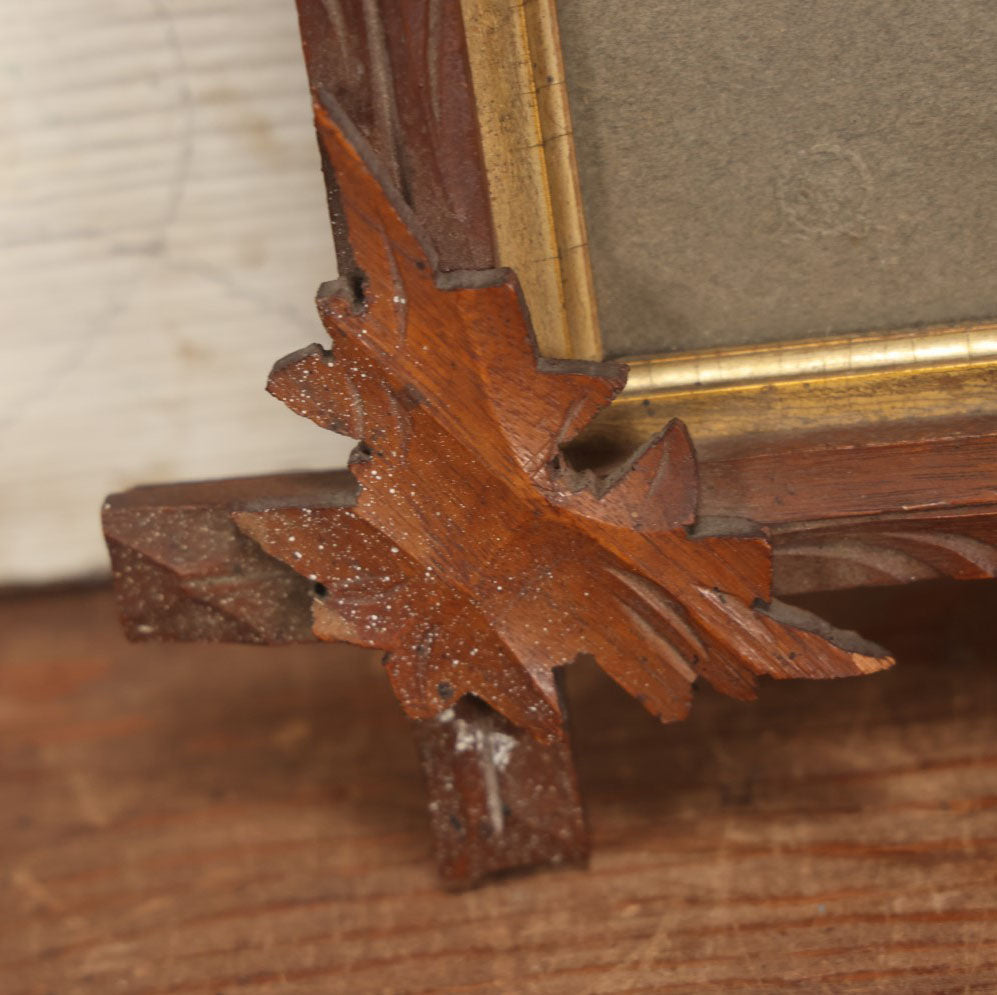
{"points": [[470, 550], [499, 800], [474, 554], [883, 468], [184, 572], [885, 503], [895, 548], [167, 580], [399, 70], [889, 503]]}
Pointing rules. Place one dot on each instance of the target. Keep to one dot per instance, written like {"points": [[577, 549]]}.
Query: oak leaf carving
{"points": [[475, 555]]}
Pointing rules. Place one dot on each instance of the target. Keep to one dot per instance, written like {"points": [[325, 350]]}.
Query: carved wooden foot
{"points": [[498, 799]]}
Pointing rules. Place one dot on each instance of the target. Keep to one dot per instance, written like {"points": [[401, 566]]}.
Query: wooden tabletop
{"points": [[236, 819]]}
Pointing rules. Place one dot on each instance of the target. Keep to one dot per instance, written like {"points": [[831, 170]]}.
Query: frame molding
{"points": [[514, 51], [838, 472], [539, 224], [952, 346]]}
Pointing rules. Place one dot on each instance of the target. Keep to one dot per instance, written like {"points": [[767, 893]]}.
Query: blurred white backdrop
{"points": [[162, 234]]}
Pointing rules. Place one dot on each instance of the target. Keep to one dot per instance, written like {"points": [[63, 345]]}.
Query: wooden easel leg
{"points": [[498, 799]]}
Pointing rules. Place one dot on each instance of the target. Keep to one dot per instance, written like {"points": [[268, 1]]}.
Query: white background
{"points": [[162, 234]]}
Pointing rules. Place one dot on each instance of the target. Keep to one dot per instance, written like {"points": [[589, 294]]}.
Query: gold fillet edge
{"points": [[966, 344], [514, 52], [842, 402], [524, 119]]}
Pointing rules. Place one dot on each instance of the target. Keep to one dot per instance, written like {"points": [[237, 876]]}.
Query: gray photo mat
{"points": [[780, 169]]}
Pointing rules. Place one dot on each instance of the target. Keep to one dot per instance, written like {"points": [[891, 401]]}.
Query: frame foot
{"points": [[498, 799]]}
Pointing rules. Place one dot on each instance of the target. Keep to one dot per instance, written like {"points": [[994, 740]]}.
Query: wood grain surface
{"points": [[399, 70], [199, 819], [473, 553], [162, 233]]}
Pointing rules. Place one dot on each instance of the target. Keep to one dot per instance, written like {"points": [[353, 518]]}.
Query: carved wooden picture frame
{"points": [[841, 422], [540, 231], [480, 508]]}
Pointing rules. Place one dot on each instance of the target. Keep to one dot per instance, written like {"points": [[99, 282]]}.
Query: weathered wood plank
{"points": [[162, 234], [205, 819]]}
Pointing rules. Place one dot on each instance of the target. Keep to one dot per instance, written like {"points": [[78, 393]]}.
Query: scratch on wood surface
{"points": [[90, 805], [24, 880], [399, 297]]}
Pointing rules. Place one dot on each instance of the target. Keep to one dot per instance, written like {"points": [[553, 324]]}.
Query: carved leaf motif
{"points": [[960, 543], [475, 555]]}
